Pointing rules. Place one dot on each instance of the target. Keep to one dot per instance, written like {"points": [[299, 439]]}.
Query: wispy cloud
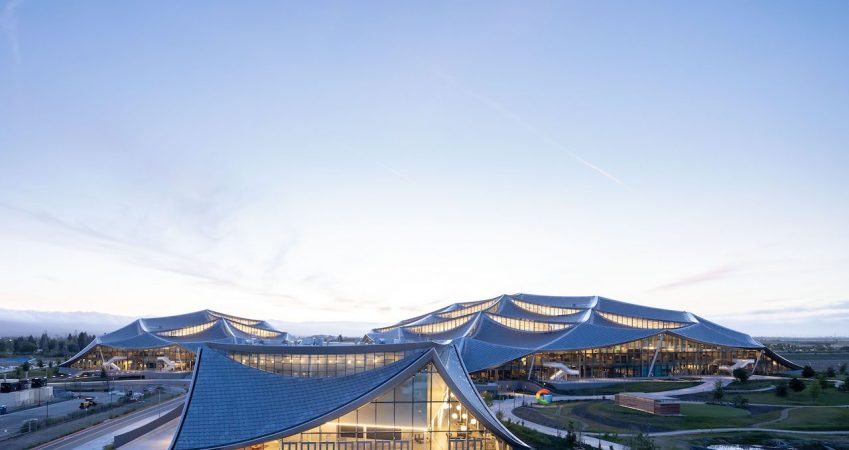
{"points": [[521, 122], [699, 278], [395, 172], [143, 253], [9, 24]]}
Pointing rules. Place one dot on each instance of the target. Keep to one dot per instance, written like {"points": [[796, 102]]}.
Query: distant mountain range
{"points": [[22, 323]]}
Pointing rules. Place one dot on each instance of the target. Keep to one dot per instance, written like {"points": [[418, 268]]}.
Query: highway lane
{"points": [[11, 423], [94, 438]]}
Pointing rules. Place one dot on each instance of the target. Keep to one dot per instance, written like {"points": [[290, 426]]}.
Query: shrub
{"points": [[718, 391], [808, 372], [815, 390], [823, 381], [830, 372], [740, 402], [487, 398], [843, 368], [797, 385], [642, 442], [781, 389], [741, 374]]}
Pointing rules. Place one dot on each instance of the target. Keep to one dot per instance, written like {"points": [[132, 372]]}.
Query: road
{"points": [[11, 423], [158, 439], [94, 438]]}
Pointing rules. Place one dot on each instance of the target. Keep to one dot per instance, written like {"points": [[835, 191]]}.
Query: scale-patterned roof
{"points": [[186, 330], [231, 405], [497, 330]]}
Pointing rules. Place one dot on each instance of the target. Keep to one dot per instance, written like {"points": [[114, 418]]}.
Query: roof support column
{"points": [[654, 358], [755, 367]]}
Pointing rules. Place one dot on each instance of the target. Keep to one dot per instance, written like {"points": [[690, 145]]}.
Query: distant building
{"points": [[168, 344], [415, 396], [549, 338]]}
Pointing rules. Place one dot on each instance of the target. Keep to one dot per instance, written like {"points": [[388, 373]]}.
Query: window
{"points": [[529, 325], [545, 310], [439, 327], [187, 331], [639, 322]]}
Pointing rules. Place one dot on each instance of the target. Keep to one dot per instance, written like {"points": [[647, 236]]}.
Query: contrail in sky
{"points": [[518, 120]]}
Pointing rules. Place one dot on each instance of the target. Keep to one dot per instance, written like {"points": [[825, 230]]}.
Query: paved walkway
{"points": [[506, 407]]}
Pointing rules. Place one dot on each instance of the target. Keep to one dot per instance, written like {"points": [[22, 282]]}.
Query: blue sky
{"points": [[353, 161]]}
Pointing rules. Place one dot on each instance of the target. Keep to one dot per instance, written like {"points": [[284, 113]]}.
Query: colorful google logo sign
{"points": [[544, 397]]}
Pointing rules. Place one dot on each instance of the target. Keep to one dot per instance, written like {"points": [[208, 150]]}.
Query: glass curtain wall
{"points": [[137, 359], [311, 366], [676, 357], [420, 414]]}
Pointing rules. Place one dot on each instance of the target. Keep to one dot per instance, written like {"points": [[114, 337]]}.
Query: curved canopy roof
{"points": [[186, 330], [262, 406], [507, 327]]}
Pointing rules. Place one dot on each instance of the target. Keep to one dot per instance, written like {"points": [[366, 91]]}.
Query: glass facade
{"points": [[545, 309], [676, 356], [420, 414], [187, 331], [639, 322], [528, 325], [468, 310], [439, 327], [254, 331], [311, 366], [241, 320], [137, 359]]}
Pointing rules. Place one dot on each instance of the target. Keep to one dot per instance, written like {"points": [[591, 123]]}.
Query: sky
{"points": [[370, 161]]}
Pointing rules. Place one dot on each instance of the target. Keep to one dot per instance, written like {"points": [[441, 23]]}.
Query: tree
{"points": [[718, 390], [830, 372], [642, 442], [571, 437], [808, 372], [741, 374], [823, 381], [797, 385], [39, 363], [842, 369], [26, 366], [815, 390], [781, 389]]}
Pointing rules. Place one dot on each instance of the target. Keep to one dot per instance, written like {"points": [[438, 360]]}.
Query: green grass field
{"points": [[608, 417], [828, 397], [815, 419], [635, 386], [751, 384]]}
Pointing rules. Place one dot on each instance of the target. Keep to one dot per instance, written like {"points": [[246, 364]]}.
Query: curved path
{"points": [[506, 408]]}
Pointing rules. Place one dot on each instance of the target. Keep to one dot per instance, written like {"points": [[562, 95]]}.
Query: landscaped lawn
{"points": [[828, 397], [812, 419], [713, 411], [634, 386], [608, 417], [751, 384]]}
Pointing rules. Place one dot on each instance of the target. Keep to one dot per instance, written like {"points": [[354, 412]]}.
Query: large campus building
{"points": [[168, 344], [537, 337], [413, 396]]}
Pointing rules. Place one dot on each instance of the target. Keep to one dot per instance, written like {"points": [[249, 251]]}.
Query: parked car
{"points": [[88, 402]]}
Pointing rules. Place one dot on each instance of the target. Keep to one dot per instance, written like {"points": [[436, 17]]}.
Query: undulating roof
{"points": [[494, 331], [231, 405], [189, 331]]}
